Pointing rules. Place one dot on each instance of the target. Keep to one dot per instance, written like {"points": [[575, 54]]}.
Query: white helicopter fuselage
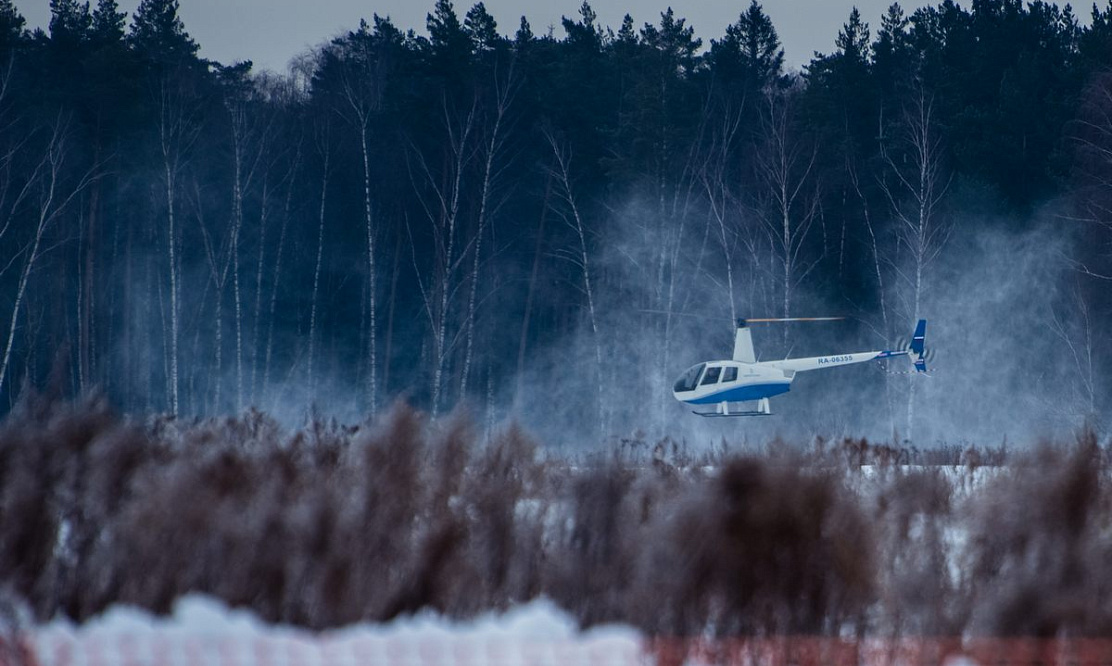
{"points": [[744, 379], [736, 381]]}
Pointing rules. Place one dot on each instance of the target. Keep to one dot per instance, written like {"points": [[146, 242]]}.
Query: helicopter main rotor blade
{"points": [[768, 320], [694, 315], [762, 320]]}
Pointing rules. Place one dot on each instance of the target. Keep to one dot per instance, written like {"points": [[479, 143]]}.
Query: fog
{"points": [[1004, 323]]}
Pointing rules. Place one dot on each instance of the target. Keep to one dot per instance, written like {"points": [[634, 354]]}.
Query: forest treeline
{"points": [[423, 214]]}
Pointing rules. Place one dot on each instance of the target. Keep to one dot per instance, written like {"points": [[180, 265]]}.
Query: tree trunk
{"points": [[86, 343], [523, 340], [291, 179], [316, 270], [237, 225], [21, 290], [484, 199], [264, 216], [372, 286], [584, 263], [389, 351], [173, 261]]}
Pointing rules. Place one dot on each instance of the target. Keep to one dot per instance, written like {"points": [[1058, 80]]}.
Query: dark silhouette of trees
{"points": [[706, 176], [749, 57], [158, 33], [11, 25]]}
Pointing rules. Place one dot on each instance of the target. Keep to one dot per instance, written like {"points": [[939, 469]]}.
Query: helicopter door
{"points": [[713, 373]]}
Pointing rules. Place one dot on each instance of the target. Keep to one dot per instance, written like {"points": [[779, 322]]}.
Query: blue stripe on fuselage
{"points": [[743, 393]]}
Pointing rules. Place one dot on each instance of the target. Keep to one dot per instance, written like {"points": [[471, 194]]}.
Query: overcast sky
{"points": [[270, 32]]}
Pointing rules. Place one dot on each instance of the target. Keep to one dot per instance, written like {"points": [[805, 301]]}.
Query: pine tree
{"points": [[69, 21], [11, 25], [675, 41], [626, 34], [750, 52], [449, 44], [584, 34], [1095, 44], [842, 91], [158, 33], [481, 27], [893, 40], [853, 41], [894, 64], [107, 22], [524, 36], [446, 35], [67, 51]]}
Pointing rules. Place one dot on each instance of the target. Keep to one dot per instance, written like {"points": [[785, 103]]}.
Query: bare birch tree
{"points": [[874, 245], [51, 195], [530, 295], [503, 94], [578, 256], [220, 255], [324, 146], [743, 237], [289, 181], [914, 187], [881, 292], [1093, 135], [443, 215], [266, 197], [362, 81], [246, 133], [789, 194], [177, 130], [1075, 330], [684, 185], [1089, 258], [715, 179]]}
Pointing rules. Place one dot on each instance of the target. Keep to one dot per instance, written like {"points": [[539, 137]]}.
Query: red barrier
{"points": [[812, 651]]}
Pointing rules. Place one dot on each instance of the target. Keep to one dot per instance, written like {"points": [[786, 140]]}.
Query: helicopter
{"points": [[743, 379]]}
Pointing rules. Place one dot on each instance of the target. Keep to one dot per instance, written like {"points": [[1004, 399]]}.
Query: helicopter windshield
{"points": [[690, 379]]}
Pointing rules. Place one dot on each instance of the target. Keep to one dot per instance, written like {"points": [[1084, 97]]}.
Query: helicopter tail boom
{"points": [[790, 365], [917, 354]]}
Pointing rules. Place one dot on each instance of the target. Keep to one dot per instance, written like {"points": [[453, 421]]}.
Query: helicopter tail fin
{"points": [[918, 346]]}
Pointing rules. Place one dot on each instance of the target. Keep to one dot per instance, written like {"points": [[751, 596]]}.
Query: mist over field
{"points": [[1005, 369]]}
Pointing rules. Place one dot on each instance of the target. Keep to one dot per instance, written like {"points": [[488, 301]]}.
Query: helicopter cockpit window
{"points": [[729, 374], [690, 379], [712, 376]]}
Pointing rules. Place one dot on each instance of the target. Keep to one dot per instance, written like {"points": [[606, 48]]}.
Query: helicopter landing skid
{"points": [[723, 409], [729, 415]]}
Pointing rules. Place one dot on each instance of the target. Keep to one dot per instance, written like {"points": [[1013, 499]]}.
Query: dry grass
{"points": [[330, 525]]}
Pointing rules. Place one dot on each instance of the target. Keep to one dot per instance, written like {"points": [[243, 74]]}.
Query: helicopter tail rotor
{"points": [[915, 348], [918, 346]]}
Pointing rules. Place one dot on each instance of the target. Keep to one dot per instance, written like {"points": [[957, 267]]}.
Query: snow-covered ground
{"points": [[204, 632]]}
